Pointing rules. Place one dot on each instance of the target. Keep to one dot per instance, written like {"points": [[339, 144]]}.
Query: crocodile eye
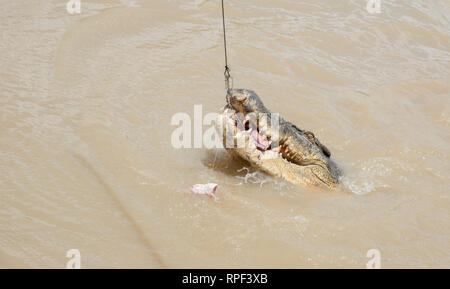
{"points": [[310, 135]]}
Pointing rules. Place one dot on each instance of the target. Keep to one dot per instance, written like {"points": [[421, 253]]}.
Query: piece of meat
{"points": [[204, 189]]}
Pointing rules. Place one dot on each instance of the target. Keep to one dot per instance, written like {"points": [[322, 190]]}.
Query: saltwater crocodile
{"points": [[272, 144]]}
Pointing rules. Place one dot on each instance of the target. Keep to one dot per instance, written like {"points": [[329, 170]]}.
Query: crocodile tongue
{"points": [[261, 143]]}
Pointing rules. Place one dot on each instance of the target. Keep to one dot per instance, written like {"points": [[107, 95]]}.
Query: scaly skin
{"points": [[304, 153]]}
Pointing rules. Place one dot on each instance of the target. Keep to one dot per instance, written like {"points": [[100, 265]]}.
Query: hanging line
{"points": [[227, 69]]}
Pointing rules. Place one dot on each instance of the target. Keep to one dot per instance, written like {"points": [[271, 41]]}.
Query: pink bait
{"points": [[204, 189]]}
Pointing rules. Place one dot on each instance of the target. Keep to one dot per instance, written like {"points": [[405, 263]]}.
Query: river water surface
{"points": [[86, 102]]}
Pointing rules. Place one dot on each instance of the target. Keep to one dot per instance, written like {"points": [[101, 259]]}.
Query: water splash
{"points": [[371, 175], [255, 177]]}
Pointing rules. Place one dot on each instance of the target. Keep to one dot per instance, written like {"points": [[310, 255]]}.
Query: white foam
{"points": [[255, 177]]}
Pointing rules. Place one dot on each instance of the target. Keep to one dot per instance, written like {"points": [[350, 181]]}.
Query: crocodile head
{"points": [[296, 155], [245, 101]]}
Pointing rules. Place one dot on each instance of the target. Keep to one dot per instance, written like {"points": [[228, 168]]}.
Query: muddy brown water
{"points": [[85, 134]]}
